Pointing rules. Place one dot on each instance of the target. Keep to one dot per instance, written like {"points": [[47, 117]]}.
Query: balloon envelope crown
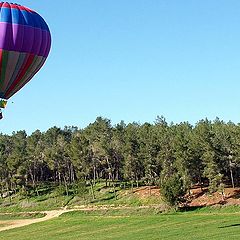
{"points": [[15, 5], [11, 3]]}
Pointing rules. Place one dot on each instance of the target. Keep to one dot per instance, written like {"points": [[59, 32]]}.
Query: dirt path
{"points": [[11, 224], [21, 223]]}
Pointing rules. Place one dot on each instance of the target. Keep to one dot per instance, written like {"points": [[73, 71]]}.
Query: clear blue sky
{"points": [[133, 60]]}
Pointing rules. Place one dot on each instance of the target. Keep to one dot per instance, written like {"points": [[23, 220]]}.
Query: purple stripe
{"points": [[14, 37]]}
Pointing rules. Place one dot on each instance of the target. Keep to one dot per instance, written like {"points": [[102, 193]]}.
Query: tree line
{"points": [[162, 153]]}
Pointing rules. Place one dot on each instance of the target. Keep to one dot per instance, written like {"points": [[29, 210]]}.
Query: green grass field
{"points": [[124, 224]]}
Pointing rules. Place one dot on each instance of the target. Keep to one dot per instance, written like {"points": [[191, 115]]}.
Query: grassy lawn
{"points": [[99, 225]]}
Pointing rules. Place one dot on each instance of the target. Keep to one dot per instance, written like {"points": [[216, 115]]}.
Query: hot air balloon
{"points": [[25, 42]]}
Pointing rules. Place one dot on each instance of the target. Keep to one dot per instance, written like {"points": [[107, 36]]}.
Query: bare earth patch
{"points": [[201, 197], [21, 223], [145, 192]]}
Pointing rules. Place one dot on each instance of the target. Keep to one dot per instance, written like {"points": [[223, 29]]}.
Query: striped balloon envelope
{"points": [[25, 43]]}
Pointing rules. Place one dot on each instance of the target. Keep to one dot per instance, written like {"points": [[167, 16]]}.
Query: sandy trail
{"points": [[21, 223], [11, 224]]}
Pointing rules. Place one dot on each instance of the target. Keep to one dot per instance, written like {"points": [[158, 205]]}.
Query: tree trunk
{"points": [[33, 181], [94, 175], [59, 178], [2, 189], [200, 179], [132, 186], [92, 190], [65, 183], [231, 174], [150, 189], [114, 189], [111, 177], [106, 182], [97, 176]]}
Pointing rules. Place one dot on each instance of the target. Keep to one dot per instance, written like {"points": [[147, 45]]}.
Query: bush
{"points": [[173, 189]]}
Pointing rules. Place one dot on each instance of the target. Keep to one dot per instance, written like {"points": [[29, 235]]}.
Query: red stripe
{"points": [[19, 7], [21, 74]]}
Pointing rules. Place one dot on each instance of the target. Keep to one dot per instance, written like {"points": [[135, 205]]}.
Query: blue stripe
{"points": [[22, 17]]}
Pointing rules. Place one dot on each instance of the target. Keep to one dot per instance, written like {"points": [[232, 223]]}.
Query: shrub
{"points": [[173, 189]]}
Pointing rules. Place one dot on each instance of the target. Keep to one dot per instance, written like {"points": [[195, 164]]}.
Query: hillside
{"points": [[201, 197], [51, 199], [198, 197]]}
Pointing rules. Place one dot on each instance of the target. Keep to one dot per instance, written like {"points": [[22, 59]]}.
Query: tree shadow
{"points": [[102, 199], [190, 208], [232, 225], [235, 195], [199, 194]]}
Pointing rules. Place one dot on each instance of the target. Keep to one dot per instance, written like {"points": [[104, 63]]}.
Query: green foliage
{"points": [[173, 189], [80, 188], [207, 153]]}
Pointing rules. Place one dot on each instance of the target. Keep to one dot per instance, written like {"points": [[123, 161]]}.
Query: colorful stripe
{"points": [[22, 17], [4, 64], [25, 43], [22, 72], [36, 66], [21, 59], [14, 5], [11, 69], [13, 79], [25, 39]]}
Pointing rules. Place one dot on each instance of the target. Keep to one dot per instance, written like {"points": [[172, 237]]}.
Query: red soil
{"points": [[198, 197], [201, 197], [145, 192]]}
